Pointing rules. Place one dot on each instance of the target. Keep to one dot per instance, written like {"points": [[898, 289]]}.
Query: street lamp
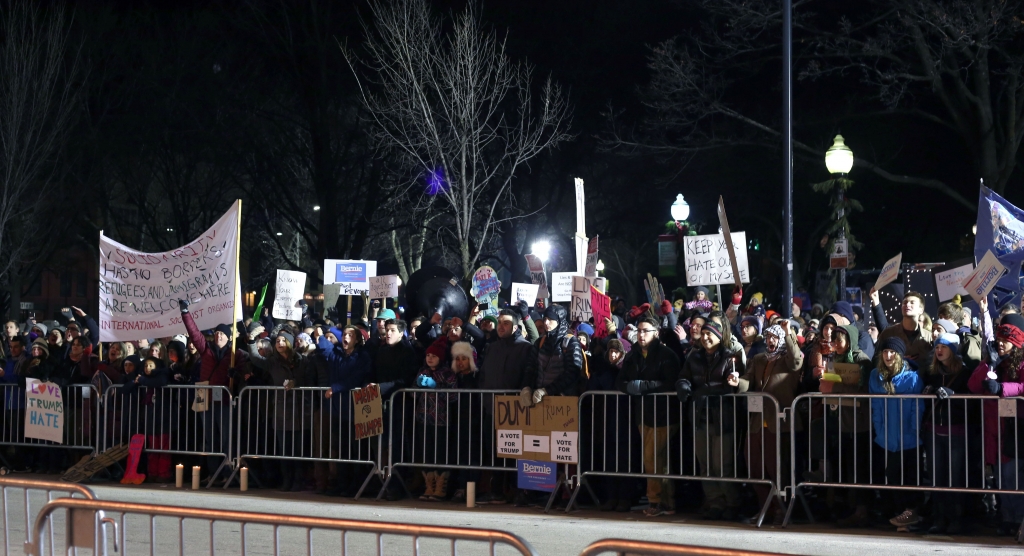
{"points": [[680, 209], [839, 161], [542, 249], [600, 265]]}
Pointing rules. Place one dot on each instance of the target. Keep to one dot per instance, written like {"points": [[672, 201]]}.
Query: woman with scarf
{"points": [[896, 424], [775, 372], [1004, 378]]}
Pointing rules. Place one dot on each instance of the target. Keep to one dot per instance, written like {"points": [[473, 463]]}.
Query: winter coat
{"points": [[505, 362], [951, 416], [214, 364], [291, 408], [556, 362], [394, 367], [432, 407], [14, 397], [707, 376], [345, 372], [156, 406], [919, 351], [657, 372], [1010, 389], [897, 421], [780, 379]]}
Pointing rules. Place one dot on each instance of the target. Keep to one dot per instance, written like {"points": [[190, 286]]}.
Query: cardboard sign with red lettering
{"points": [[44, 411], [601, 305], [368, 413], [547, 431]]}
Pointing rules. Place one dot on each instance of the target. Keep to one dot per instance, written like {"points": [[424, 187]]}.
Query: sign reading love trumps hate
{"points": [[44, 411], [139, 291]]}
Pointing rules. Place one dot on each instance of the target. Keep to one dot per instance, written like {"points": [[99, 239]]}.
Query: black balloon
{"points": [[435, 289]]}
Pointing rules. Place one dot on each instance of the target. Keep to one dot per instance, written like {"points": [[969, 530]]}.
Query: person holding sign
{"points": [[652, 368], [44, 367], [706, 376], [214, 369]]}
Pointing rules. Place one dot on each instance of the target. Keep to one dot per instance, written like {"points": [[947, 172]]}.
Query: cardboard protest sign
{"points": [[949, 281], [44, 411], [287, 294], [524, 292], [537, 275], [548, 431], [383, 286], [353, 277], [708, 262], [730, 247], [579, 308], [561, 286], [368, 412], [591, 269], [486, 289], [139, 291], [890, 272], [601, 306], [983, 280]]}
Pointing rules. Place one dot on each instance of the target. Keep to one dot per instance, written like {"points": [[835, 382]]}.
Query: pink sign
{"points": [[601, 305]]}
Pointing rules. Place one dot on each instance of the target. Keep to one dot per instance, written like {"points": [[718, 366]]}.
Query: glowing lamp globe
{"points": [[680, 209], [839, 157]]}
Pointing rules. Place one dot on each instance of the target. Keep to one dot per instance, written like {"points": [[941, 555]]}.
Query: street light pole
{"points": [[839, 161], [787, 152]]}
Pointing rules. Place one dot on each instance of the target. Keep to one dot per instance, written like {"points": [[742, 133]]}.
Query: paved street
{"points": [[553, 534]]}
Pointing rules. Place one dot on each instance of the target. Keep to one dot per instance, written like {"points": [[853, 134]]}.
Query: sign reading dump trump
{"points": [[547, 431], [368, 412], [139, 291]]}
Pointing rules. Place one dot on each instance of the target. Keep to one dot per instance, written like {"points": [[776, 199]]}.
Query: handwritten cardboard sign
{"points": [[949, 283], [601, 306], [591, 269], [524, 292], [368, 412], [44, 411], [537, 275], [580, 309], [561, 286], [708, 261], [383, 286], [288, 293], [890, 272], [984, 278], [548, 431]]}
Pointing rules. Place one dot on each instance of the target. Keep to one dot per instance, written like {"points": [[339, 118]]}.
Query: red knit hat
{"points": [[437, 351], [1012, 334]]}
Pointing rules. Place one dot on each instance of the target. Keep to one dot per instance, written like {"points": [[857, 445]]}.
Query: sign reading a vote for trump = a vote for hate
{"points": [[547, 431]]}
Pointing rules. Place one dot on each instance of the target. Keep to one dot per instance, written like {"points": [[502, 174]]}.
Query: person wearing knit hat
{"points": [[438, 351], [1002, 440], [753, 342], [38, 330], [432, 418], [713, 328], [43, 345], [943, 326], [463, 358], [896, 425]]}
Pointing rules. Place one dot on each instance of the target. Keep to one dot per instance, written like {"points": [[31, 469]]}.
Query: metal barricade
{"points": [[20, 517], [645, 548], [81, 415], [165, 416], [443, 429], [908, 444], [302, 424], [194, 531], [658, 438]]}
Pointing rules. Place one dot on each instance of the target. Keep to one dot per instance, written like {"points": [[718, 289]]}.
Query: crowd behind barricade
{"points": [[676, 375]]}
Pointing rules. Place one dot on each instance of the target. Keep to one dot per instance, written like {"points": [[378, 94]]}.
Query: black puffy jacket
{"points": [[707, 378], [556, 361]]}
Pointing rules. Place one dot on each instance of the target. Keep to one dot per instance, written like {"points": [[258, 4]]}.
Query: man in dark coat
{"points": [[556, 363]]}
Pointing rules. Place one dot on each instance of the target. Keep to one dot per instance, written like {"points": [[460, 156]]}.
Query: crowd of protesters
{"points": [[680, 365]]}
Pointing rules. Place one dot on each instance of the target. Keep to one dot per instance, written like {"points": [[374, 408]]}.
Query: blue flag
{"points": [[1001, 230]]}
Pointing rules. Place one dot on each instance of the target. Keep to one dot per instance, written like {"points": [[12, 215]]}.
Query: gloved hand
{"points": [[943, 393], [68, 315], [737, 295], [304, 306], [183, 305], [993, 386], [683, 389], [634, 388], [523, 309], [538, 395], [526, 397], [424, 381]]}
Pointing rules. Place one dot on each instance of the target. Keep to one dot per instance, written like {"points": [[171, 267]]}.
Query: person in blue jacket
{"points": [[896, 424], [348, 367]]}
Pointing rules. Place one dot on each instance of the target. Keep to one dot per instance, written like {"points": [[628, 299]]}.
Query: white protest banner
{"points": [[889, 273], [984, 278], [352, 276], [44, 411], [591, 269], [383, 286], [139, 292], [524, 292], [580, 309], [287, 294], [537, 275], [708, 262], [581, 228], [561, 286], [950, 282]]}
